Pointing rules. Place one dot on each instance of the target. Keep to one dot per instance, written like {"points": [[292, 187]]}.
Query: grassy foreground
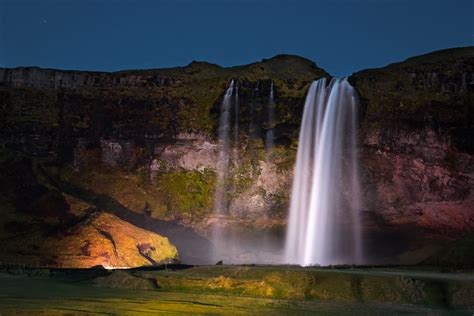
{"points": [[236, 290]]}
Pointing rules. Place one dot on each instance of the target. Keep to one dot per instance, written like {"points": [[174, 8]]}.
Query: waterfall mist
{"points": [[324, 219]]}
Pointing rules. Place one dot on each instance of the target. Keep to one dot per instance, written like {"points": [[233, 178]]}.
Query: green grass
{"points": [[369, 286], [47, 295]]}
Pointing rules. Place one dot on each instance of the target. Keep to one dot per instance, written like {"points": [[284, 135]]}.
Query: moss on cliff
{"points": [[174, 194], [187, 193]]}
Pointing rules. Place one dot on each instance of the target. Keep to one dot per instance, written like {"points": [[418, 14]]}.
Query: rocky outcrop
{"points": [[42, 226], [99, 239]]}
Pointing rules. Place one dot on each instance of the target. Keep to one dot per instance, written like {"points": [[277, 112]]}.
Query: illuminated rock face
{"points": [[100, 239], [44, 228], [108, 241]]}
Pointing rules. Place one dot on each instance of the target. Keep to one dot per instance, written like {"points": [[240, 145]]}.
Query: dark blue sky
{"points": [[341, 36]]}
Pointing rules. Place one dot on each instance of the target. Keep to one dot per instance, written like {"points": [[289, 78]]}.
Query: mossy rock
{"points": [[187, 193]]}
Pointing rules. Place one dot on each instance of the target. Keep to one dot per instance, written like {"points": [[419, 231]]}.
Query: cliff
{"points": [[417, 148], [143, 143], [142, 146]]}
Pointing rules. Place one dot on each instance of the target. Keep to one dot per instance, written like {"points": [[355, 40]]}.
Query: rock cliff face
{"points": [[144, 143], [417, 150]]}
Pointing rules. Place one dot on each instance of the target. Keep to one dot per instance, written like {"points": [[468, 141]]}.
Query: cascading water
{"points": [[220, 204], [270, 121], [233, 242], [222, 239], [324, 222], [236, 123], [236, 115], [253, 126]]}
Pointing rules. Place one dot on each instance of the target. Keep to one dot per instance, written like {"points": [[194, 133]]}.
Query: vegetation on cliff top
{"points": [[190, 92], [432, 88]]}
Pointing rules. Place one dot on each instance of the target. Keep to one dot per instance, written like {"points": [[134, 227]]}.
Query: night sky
{"points": [[341, 36]]}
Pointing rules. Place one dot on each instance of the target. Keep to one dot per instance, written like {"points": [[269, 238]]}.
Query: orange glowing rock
{"points": [[98, 239], [108, 241]]}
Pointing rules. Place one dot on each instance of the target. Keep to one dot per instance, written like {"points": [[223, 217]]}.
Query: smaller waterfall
{"points": [[220, 204], [236, 115], [253, 125], [324, 222], [233, 241], [270, 136], [236, 124]]}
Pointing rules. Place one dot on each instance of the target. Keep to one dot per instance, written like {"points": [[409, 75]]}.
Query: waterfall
{"points": [[220, 204], [236, 124], [253, 132], [236, 118], [270, 121], [324, 221]]}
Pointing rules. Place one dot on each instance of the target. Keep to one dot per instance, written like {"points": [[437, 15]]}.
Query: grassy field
{"points": [[236, 290]]}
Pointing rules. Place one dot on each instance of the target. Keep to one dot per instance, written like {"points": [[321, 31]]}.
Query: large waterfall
{"points": [[324, 221]]}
